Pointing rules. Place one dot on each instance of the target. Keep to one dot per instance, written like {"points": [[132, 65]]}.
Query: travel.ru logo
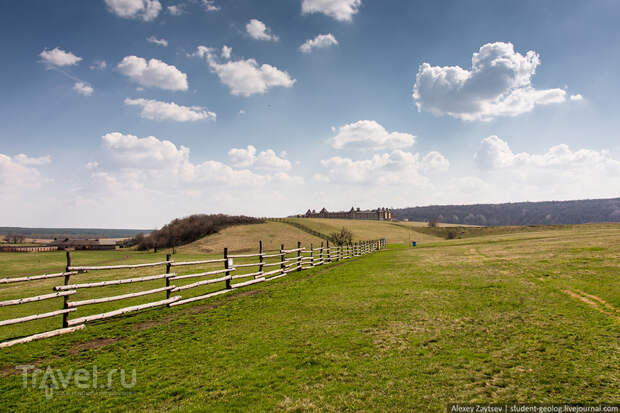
{"points": [[52, 380]]}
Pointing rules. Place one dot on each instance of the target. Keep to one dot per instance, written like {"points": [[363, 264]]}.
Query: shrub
{"points": [[343, 237]]}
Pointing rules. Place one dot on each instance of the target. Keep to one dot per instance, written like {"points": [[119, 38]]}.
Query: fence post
{"points": [[65, 301], [226, 266], [282, 259], [260, 257], [168, 265], [329, 253], [298, 255], [321, 254], [311, 255]]}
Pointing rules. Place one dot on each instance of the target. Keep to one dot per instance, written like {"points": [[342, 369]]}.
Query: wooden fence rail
{"points": [[286, 261]]}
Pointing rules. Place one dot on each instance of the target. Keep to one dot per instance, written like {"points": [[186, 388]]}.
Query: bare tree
{"points": [[15, 238]]}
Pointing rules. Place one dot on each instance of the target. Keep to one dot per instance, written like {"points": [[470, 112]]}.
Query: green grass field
{"points": [[529, 316]]}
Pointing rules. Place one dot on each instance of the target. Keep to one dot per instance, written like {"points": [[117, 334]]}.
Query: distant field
{"points": [[243, 238], [529, 316], [363, 230], [49, 233]]}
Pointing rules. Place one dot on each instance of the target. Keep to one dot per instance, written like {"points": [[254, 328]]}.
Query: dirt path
{"points": [[598, 304]]}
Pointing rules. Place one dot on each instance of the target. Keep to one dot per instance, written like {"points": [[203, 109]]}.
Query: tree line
{"points": [[182, 231], [518, 213]]}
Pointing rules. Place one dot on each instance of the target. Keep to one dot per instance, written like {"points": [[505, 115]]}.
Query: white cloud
{"points": [[342, 10], [24, 159], [144, 165], [98, 65], [495, 153], [434, 162], [155, 40], [210, 5], [245, 77], [498, 84], [559, 173], [176, 9], [320, 178], [395, 168], [369, 135], [146, 10], [19, 171], [269, 161], [58, 57], [226, 52], [155, 73], [257, 30], [83, 88], [265, 160], [576, 97], [319, 42], [156, 110]]}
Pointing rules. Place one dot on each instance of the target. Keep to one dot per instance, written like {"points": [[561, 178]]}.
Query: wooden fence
{"points": [[270, 266]]}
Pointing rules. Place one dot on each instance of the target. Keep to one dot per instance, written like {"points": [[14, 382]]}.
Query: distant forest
{"points": [[519, 213], [83, 233]]}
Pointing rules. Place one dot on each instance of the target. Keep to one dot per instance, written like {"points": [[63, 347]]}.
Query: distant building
{"points": [[83, 244], [379, 214]]}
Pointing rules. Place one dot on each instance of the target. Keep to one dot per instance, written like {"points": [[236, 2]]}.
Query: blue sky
{"points": [[513, 101]]}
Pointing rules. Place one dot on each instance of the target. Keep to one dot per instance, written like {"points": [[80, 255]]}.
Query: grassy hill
{"points": [[363, 230], [244, 238], [527, 315]]}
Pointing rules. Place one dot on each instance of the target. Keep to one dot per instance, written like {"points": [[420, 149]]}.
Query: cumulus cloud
{"points": [[257, 30], [133, 163], [176, 9], [319, 42], [58, 57], [146, 10], [495, 153], [24, 159], [157, 110], [83, 88], [395, 168], [98, 65], [153, 73], [245, 77], [370, 135], [266, 160], [159, 42], [226, 52], [342, 10], [210, 5], [576, 97], [558, 173], [434, 162], [499, 83], [20, 171]]}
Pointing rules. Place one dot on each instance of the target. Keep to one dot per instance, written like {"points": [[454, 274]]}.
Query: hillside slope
{"points": [[364, 230], [243, 238]]}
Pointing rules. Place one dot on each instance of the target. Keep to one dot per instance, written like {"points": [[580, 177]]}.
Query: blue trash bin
{"points": [[413, 243]]}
